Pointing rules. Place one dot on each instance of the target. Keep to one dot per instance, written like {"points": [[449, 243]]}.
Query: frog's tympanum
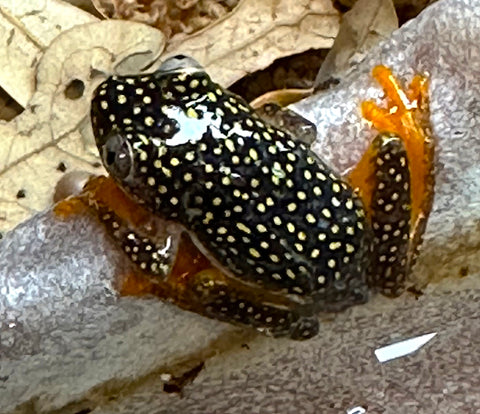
{"points": [[272, 236]]}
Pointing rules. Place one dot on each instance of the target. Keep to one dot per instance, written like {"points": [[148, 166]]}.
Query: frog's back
{"points": [[264, 206]]}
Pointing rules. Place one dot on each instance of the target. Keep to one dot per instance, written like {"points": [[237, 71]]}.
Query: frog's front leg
{"points": [[146, 242], [395, 179]]}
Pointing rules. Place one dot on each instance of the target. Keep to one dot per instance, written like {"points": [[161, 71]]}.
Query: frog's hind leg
{"points": [[388, 205], [195, 285], [395, 179], [220, 298], [390, 217], [172, 268]]}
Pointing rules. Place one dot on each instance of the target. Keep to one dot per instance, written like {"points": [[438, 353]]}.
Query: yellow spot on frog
{"points": [[230, 145], [254, 252], [310, 218], [208, 217], [335, 245], [290, 274], [243, 228], [191, 113], [302, 235], [349, 248], [149, 121], [261, 228]]}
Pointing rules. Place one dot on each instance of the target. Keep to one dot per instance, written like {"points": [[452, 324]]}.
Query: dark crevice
{"points": [[176, 384], [84, 411], [75, 89], [9, 107], [295, 71]]}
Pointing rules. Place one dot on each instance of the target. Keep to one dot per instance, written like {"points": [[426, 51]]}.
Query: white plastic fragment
{"points": [[403, 348], [357, 410]]}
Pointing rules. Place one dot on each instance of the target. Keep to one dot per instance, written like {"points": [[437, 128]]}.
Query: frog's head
{"points": [[146, 126]]}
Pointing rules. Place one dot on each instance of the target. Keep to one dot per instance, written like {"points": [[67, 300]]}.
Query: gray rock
{"points": [[65, 334]]}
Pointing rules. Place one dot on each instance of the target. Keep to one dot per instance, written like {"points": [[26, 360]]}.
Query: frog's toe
{"points": [[407, 116], [305, 327], [287, 120]]}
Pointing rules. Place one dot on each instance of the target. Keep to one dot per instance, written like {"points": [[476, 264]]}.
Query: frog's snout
{"points": [[179, 63], [117, 156]]}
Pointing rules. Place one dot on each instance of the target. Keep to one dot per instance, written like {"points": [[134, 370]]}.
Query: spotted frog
{"points": [[284, 235]]}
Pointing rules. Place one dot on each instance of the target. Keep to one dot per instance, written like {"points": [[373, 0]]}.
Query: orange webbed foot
{"points": [[403, 126], [407, 116]]}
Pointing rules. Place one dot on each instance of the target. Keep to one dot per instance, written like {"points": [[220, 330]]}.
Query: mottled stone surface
{"points": [[338, 370], [63, 329], [66, 339]]}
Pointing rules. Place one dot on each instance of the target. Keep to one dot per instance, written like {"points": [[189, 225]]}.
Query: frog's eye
{"points": [[117, 156], [180, 63]]}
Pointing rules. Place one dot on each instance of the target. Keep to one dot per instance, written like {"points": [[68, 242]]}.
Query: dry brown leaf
{"points": [[169, 16], [54, 128], [281, 97], [369, 22], [406, 9], [85, 5], [27, 28], [9, 108], [258, 32]]}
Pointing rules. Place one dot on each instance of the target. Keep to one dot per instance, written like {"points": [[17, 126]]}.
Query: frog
{"points": [[284, 235]]}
